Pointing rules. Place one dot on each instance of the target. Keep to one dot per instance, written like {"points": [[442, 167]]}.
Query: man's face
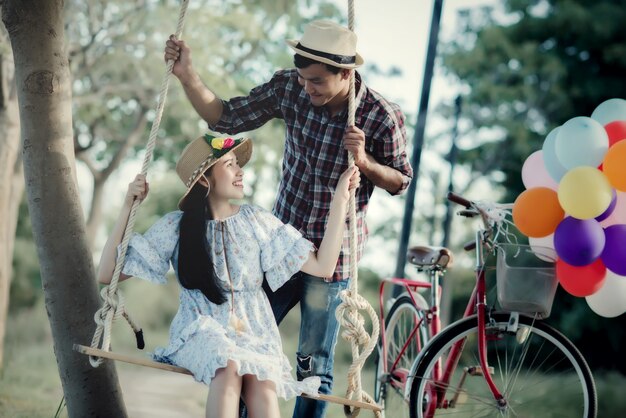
{"points": [[322, 86]]}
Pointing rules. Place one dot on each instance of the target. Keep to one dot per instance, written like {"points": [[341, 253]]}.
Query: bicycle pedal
{"points": [[478, 370], [522, 335], [459, 399]]}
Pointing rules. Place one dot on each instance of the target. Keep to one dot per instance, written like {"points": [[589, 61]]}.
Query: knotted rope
{"points": [[347, 312], [113, 306]]}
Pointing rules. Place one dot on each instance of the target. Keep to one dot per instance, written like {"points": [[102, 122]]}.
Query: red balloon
{"points": [[581, 281], [616, 131]]}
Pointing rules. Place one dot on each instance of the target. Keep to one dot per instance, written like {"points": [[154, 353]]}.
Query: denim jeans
{"points": [[318, 332]]}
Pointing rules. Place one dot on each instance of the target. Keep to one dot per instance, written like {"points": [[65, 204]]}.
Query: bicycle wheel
{"points": [[538, 370], [389, 388]]}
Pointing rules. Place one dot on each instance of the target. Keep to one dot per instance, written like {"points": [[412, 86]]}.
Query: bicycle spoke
{"points": [[404, 327], [539, 374]]}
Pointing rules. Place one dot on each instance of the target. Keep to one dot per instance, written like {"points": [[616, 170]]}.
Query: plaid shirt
{"points": [[314, 154]]}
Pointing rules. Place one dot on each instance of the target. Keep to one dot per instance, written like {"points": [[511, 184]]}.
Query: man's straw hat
{"points": [[201, 153], [329, 43]]}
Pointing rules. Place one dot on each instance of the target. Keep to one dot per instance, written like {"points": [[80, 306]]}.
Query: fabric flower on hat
{"points": [[222, 143], [221, 146]]}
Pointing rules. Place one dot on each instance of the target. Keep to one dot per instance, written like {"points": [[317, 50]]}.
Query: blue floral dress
{"points": [[245, 248]]}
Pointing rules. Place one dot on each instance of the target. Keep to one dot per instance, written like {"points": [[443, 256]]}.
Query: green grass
{"points": [[30, 386]]}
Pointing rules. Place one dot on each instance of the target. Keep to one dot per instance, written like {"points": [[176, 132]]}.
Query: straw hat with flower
{"points": [[201, 153]]}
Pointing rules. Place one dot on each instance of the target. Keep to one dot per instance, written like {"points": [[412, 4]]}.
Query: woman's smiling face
{"points": [[226, 178]]}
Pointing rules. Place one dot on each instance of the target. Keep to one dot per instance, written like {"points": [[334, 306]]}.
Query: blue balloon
{"points": [[551, 161], [610, 111], [581, 141], [579, 242]]}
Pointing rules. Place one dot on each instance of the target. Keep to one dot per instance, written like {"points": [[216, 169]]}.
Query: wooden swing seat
{"points": [[170, 368]]}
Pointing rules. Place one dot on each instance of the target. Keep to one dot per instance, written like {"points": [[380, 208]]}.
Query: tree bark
{"points": [[11, 178], [36, 32]]}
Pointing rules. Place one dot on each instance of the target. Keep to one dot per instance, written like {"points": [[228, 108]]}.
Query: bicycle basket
{"points": [[526, 279]]}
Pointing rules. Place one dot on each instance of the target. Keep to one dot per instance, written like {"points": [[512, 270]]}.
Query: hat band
{"points": [[339, 59], [197, 171]]}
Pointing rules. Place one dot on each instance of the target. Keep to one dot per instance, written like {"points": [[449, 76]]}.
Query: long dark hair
{"points": [[195, 267]]}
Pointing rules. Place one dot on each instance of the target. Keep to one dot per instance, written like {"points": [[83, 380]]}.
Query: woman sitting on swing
{"points": [[224, 332]]}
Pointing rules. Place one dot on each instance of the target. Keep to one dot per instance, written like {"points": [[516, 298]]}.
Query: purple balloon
{"points": [[614, 253], [610, 209], [579, 241]]}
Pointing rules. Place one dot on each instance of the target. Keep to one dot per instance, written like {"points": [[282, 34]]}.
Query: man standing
{"points": [[312, 100]]}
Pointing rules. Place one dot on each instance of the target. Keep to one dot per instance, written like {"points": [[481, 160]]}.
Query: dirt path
{"points": [[150, 393]]}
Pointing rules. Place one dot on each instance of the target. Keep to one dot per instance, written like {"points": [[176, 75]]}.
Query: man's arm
{"points": [[206, 103], [382, 176]]}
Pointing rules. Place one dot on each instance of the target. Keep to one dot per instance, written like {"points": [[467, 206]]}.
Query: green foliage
{"points": [[116, 55], [162, 198], [546, 62], [26, 283]]}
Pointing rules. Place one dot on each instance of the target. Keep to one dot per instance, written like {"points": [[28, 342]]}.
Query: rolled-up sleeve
{"points": [[390, 147], [245, 113]]}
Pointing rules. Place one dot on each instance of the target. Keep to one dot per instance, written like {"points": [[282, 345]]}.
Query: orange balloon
{"points": [[536, 212], [614, 165]]}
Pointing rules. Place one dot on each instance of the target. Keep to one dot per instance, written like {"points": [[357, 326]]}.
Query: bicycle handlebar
{"points": [[458, 199], [492, 215], [469, 246]]}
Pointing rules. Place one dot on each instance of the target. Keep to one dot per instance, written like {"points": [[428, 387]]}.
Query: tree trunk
{"points": [[36, 31], [94, 218], [11, 178]]}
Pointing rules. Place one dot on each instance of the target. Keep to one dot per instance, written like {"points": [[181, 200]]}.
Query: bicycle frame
{"points": [[442, 374], [476, 304], [432, 314]]}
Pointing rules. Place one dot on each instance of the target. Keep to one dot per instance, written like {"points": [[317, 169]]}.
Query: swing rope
{"points": [[347, 312], [113, 306]]}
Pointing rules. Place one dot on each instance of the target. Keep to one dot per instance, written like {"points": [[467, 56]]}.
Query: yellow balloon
{"points": [[585, 192]]}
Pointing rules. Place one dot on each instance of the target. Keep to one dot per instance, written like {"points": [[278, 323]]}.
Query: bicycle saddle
{"points": [[426, 256]]}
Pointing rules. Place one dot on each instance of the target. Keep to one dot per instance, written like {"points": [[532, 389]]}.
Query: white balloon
{"points": [[543, 248], [581, 141], [610, 300], [535, 174], [610, 111]]}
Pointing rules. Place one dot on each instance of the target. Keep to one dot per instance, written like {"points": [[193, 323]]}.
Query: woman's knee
{"points": [[227, 379], [255, 389]]}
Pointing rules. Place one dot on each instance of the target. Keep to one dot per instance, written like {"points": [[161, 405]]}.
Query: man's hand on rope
{"points": [[354, 141], [177, 50]]}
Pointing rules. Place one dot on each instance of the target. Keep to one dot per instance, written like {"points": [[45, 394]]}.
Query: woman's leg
{"points": [[260, 397], [224, 393]]}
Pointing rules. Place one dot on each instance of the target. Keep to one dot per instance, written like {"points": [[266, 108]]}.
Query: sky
{"points": [[397, 35]]}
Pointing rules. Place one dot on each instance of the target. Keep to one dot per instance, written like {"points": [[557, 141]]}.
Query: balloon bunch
{"points": [[575, 203]]}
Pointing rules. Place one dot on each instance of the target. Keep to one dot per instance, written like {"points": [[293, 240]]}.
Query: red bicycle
{"points": [[493, 362]]}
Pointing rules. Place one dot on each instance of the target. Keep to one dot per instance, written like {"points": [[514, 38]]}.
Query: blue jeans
{"points": [[318, 332]]}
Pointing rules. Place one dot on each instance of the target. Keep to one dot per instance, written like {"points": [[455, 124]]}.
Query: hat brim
{"points": [[293, 44], [243, 152]]}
